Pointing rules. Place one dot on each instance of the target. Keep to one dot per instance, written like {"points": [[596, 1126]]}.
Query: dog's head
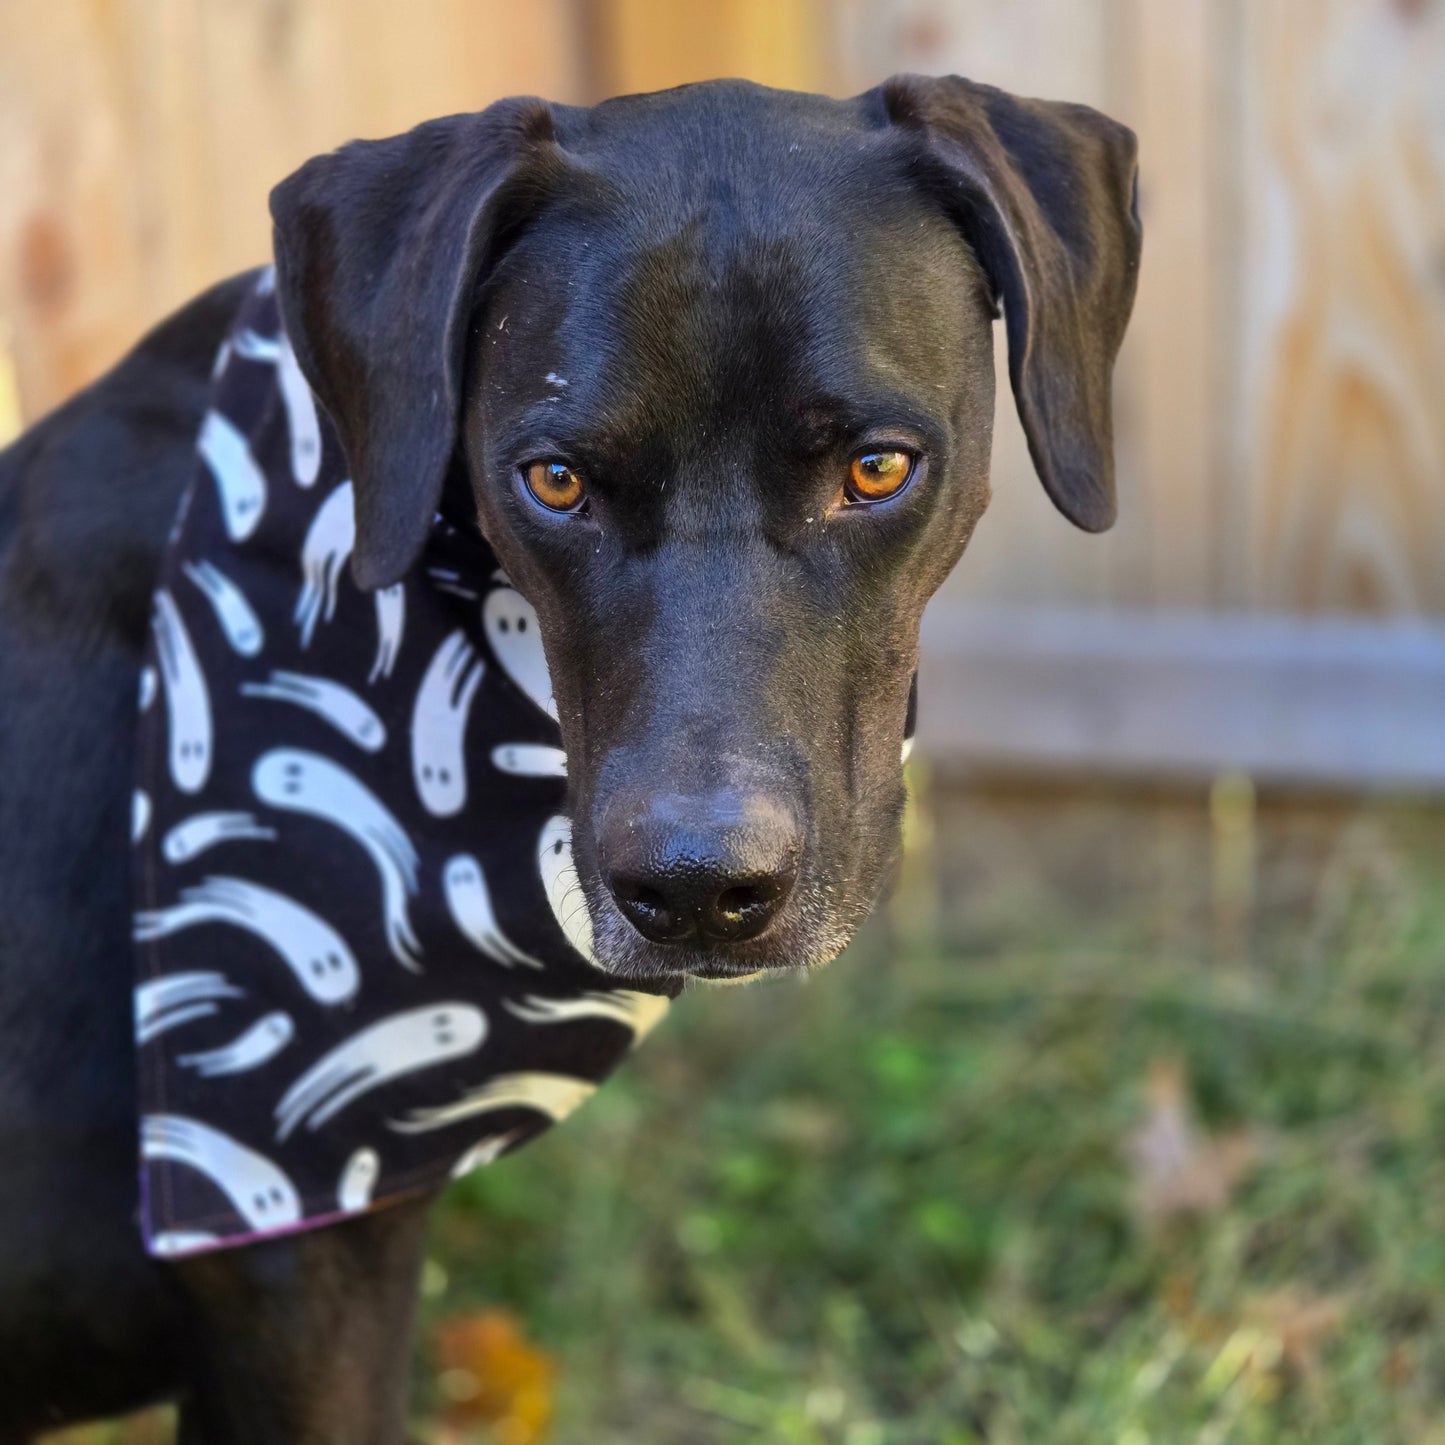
{"points": [[716, 365]]}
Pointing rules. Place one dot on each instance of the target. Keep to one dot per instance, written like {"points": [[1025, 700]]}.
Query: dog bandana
{"points": [[362, 947]]}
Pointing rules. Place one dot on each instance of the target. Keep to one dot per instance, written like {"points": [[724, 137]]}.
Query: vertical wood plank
{"points": [[1023, 551], [1340, 406], [1280, 424], [1057, 49], [139, 139], [284, 82], [644, 45], [60, 169], [1168, 445]]}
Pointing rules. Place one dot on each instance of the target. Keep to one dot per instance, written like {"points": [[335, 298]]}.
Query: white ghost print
{"points": [[258, 1045], [295, 397], [470, 903], [302, 782], [562, 886], [516, 642], [328, 544], [259, 1192], [640, 1012], [446, 579], [236, 616], [309, 946], [555, 1095], [484, 1151], [181, 1241], [188, 702], [439, 724], [238, 479], [402, 1044], [174, 999], [358, 1178], [530, 760], [194, 835], [332, 702], [390, 622]]}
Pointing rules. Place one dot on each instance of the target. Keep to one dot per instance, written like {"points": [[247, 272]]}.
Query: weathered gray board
{"points": [[1332, 701]]}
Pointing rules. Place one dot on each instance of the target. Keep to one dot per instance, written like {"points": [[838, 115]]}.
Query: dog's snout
{"points": [[700, 870]]}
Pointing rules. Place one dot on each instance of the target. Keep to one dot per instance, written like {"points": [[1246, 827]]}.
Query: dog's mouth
{"points": [[635, 958], [721, 971]]}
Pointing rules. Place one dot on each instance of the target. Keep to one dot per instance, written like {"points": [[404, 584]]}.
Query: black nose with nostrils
{"points": [[702, 870]]}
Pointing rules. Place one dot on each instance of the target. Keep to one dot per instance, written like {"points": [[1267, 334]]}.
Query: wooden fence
{"points": [[1273, 595], [1280, 399]]}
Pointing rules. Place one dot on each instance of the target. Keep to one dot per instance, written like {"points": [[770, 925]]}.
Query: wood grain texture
{"points": [[1324, 701], [1023, 551], [1279, 403], [645, 45], [1340, 406], [139, 140], [1280, 399], [1169, 439]]}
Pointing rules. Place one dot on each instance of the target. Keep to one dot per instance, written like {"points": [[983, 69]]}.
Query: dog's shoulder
{"points": [[88, 493]]}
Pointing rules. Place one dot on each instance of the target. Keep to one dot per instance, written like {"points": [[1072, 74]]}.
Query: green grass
{"points": [[898, 1202], [903, 1201]]}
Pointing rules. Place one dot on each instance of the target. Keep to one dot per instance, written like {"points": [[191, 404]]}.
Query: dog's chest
{"points": [[362, 949]]}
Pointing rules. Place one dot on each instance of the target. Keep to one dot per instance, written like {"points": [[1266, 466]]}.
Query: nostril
{"points": [[643, 897], [744, 910], [650, 912], [735, 902]]}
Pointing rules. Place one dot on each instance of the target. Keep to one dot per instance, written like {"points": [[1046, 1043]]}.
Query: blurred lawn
{"points": [[1122, 1125]]}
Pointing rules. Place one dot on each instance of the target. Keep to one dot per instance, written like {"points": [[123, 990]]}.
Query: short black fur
{"points": [[707, 301]]}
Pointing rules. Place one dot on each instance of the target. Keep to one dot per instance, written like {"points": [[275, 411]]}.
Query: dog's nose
{"points": [[700, 870]]}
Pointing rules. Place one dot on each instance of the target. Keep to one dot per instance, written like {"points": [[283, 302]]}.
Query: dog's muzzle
{"points": [[701, 871]]}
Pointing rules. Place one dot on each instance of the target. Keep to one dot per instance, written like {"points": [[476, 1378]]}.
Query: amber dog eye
{"points": [[554, 484], [876, 476]]}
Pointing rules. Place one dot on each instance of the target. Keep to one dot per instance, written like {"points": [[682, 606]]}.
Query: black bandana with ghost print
{"points": [[362, 949]]}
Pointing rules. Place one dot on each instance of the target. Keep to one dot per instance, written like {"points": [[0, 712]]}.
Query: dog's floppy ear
{"points": [[1045, 194], [379, 248]]}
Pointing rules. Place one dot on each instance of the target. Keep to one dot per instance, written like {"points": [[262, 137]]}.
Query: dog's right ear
{"points": [[379, 249]]}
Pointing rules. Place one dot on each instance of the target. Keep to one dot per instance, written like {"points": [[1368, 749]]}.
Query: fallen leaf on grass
{"points": [[491, 1375], [1302, 1324], [1179, 1170]]}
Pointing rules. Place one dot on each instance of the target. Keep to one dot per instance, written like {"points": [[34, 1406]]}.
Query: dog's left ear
{"points": [[379, 249], [1045, 193]]}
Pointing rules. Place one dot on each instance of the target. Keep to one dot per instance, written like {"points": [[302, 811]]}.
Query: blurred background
{"points": [[1123, 1120]]}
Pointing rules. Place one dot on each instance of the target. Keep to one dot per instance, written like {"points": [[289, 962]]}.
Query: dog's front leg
{"points": [[305, 1341]]}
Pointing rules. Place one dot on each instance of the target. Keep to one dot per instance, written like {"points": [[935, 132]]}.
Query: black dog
{"points": [[774, 316]]}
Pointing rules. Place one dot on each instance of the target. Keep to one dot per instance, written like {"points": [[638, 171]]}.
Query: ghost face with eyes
{"points": [[310, 947], [240, 482], [439, 724], [257, 1189], [516, 642], [391, 1049]]}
